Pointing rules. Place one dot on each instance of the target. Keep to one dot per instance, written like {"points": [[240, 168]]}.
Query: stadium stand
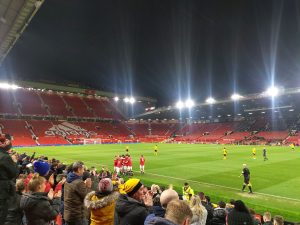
{"points": [[78, 106], [55, 104], [7, 103], [29, 102]]}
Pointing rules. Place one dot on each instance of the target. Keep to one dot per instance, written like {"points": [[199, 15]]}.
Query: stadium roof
{"points": [[169, 50], [286, 102], [15, 15]]}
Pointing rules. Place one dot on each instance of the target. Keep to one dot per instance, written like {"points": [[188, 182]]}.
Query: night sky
{"points": [[165, 49]]}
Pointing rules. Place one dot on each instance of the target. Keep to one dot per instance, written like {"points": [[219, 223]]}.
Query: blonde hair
{"points": [[178, 211], [35, 182], [195, 205], [278, 220]]}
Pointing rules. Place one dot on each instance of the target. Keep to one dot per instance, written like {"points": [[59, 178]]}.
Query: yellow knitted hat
{"points": [[131, 186]]}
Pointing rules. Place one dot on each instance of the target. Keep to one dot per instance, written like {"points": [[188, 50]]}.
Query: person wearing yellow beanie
{"points": [[134, 204]]}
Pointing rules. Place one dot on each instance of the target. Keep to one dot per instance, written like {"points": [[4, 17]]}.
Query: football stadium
{"points": [[77, 147]]}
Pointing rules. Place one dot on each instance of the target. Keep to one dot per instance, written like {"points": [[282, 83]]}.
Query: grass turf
{"points": [[275, 182]]}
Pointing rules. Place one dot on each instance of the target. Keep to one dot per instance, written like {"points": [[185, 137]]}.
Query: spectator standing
{"points": [[15, 213], [219, 214], [39, 208], [160, 210], [239, 215], [75, 190], [267, 218], [133, 205], [178, 212], [102, 203], [278, 220], [8, 174], [198, 210]]}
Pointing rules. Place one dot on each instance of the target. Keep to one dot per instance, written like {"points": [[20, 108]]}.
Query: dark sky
{"points": [[162, 48]]}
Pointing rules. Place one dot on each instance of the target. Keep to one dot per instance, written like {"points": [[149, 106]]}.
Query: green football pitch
{"points": [[276, 182]]}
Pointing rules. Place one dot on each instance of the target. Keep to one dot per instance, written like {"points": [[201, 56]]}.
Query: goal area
{"points": [[91, 141]]}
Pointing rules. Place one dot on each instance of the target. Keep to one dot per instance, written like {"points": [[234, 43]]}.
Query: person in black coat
{"points": [[8, 174], [39, 208], [134, 204], [15, 213], [239, 215], [219, 214]]}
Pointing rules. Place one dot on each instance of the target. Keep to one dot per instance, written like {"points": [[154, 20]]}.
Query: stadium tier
{"points": [[37, 117], [7, 105]]}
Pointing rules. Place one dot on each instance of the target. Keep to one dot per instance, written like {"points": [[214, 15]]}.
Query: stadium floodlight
{"points": [[272, 91], [116, 98], [210, 100], [126, 99], [179, 105], [132, 100], [189, 103], [291, 110], [9, 86], [236, 97]]}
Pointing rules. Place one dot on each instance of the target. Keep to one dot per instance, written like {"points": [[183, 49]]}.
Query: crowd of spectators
{"points": [[41, 191]]}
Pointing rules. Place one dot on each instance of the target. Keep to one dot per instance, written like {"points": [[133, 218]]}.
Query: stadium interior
{"points": [[42, 116]]}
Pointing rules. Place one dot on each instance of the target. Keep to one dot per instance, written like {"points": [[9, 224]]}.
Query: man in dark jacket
{"points": [[134, 204], [15, 213], [75, 190], [219, 214], [178, 212], [8, 174], [39, 210]]}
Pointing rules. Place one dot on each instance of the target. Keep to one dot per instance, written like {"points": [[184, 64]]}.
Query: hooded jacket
{"points": [[130, 211], [74, 194], [39, 210], [102, 207]]}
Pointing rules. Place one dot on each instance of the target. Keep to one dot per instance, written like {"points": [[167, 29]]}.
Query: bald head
{"points": [[167, 196]]}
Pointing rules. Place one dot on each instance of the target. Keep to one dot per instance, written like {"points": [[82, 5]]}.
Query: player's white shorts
{"points": [[125, 168], [142, 167], [118, 170], [129, 168]]}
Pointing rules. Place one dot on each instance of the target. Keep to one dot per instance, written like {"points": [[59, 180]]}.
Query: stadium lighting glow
{"points": [[116, 99], [236, 97], [132, 100], [239, 114], [263, 112], [179, 105], [250, 113], [210, 100], [291, 110], [9, 86], [126, 99], [189, 103], [272, 91]]}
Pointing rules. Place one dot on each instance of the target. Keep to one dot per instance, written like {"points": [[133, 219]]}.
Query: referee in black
{"points": [[246, 175]]}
